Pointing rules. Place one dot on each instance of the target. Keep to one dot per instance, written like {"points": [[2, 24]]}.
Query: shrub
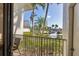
{"points": [[27, 33]]}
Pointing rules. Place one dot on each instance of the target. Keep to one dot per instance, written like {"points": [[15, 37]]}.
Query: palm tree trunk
{"points": [[33, 22], [45, 17]]}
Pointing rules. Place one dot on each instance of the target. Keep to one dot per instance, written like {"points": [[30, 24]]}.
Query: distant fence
{"points": [[41, 46]]}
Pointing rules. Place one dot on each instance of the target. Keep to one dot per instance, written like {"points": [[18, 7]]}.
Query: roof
{"points": [[22, 6]]}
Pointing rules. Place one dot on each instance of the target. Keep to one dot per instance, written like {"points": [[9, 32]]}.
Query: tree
{"points": [[52, 25], [45, 16], [39, 24], [34, 5], [56, 26]]}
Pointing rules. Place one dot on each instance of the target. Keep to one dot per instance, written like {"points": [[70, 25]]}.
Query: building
{"points": [[55, 32], [26, 26]]}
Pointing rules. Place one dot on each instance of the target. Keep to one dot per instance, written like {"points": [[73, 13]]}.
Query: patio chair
{"points": [[16, 43]]}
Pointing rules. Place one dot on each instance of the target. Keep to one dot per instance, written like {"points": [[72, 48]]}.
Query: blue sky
{"points": [[55, 14]]}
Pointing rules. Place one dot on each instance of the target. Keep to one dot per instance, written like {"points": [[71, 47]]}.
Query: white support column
{"points": [[65, 48], [18, 24], [66, 26]]}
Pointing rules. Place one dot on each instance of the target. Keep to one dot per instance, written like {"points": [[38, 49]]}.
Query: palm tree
{"points": [[45, 16], [32, 17], [39, 24], [56, 26], [34, 5], [52, 25]]}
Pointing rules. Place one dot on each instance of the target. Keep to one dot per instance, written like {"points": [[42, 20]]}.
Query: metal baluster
{"points": [[52, 46], [28, 45], [41, 46], [55, 46], [25, 45], [44, 46], [37, 47], [33, 47], [62, 47], [59, 47], [48, 47], [27, 41]]}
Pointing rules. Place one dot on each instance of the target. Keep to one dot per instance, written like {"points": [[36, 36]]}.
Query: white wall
{"points": [[71, 14], [26, 30], [76, 30]]}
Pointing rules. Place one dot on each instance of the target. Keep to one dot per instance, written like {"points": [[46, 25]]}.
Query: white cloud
{"points": [[48, 16]]}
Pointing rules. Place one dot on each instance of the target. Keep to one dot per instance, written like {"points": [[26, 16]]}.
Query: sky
{"points": [[55, 14]]}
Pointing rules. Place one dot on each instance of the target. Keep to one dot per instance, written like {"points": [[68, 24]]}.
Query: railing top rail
{"points": [[16, 35]]}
